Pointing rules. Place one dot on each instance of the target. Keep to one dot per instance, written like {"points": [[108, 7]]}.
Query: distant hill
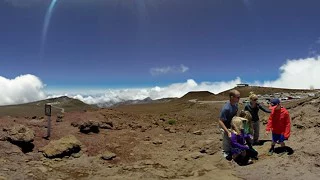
{"points": [[245, 92], [197, 95], [128, 102], [37, 108]]}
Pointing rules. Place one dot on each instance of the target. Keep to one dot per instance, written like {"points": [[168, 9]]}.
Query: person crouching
{"points": [[241, 152]]}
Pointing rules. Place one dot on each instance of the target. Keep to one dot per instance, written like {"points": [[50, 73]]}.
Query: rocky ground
{"points": [[159, 141]]}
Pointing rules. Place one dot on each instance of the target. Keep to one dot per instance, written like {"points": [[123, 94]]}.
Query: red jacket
{"points": [[279, 122]]}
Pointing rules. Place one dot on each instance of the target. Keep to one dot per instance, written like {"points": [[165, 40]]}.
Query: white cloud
{"points": [[22, 89], [300, 73], [169, 69], [113, 96]]}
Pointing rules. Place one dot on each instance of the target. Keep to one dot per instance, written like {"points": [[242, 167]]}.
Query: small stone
{"points": [[76, 155], [171, 130], [149, 162], [108, 155], [195, 155], [157, 142], [199, 132], [42, 169]]}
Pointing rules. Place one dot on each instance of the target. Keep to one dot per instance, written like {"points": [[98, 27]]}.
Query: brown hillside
{"points": [[245, 91], [197, 95], [37, 108]]}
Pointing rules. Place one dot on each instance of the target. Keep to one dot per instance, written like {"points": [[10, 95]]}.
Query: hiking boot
{"points": [[271, 152], [229, 157]]}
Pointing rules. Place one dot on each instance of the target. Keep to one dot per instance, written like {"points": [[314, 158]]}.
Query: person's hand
{"points": [[229, 134]]}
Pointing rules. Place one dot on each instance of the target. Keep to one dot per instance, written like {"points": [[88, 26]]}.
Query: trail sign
{"points": [[47, 110]]}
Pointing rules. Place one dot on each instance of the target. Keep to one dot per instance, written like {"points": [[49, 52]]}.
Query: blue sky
{"points": [[119, 43]]}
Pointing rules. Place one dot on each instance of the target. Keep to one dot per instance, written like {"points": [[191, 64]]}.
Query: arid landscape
{"points": [[172, 139]]}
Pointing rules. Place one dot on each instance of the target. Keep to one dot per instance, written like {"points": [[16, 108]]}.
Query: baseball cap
{"points": [[275, 102]]}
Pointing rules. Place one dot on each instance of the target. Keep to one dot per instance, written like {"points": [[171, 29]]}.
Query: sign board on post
{"points": [[47, 111]]}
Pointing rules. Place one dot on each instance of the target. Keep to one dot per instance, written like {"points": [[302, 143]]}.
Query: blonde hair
{"points": [[236, 123], [252, 96]]}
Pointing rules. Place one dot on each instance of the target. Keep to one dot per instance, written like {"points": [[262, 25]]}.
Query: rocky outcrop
{"points": [[87, 126], [65, 146], [19, 133], [21, 136]]}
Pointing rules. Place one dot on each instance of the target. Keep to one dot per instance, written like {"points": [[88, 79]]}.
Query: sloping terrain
{"points": [[170, 140], [245, 92], [37, 108]]}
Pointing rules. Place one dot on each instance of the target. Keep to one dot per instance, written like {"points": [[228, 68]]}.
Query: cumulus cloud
{"points": [[296, 73], [169, 69], [299, 73], [22, 89]]}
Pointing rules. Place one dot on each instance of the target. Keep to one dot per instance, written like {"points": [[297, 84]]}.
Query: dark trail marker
{"points": [[47, 111]]}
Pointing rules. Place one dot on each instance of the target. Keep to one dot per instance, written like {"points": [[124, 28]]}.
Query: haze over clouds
{"points": [[299, 73]]}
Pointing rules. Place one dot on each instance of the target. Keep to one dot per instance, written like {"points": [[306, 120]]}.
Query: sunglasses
{"points": [[255, 99]]}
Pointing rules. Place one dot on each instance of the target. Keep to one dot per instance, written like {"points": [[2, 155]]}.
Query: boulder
{"points": [[65, 146], [89, 126], [19, 134]]}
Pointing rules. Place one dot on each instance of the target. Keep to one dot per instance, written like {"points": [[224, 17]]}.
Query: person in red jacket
{"points": [[279, 124]]}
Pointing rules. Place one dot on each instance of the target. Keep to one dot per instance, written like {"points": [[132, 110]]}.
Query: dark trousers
{"points": [[243, 160]]}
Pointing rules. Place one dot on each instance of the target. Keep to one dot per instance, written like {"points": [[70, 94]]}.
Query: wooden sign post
{"points": [[47, 111]]}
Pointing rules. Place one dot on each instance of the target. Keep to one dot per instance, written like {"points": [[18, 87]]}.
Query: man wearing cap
{"points": [[279, 124]]}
